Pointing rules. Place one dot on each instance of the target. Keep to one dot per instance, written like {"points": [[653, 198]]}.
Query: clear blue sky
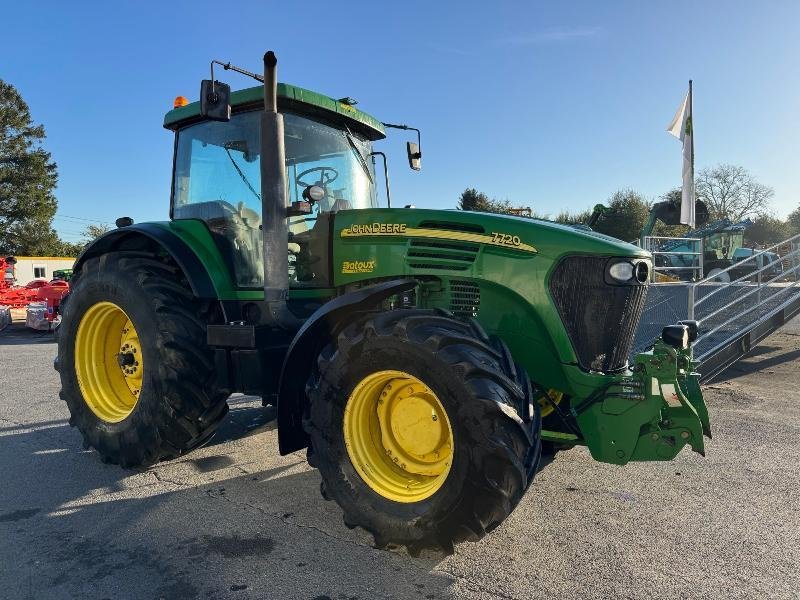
{"points": [[551, 105]]}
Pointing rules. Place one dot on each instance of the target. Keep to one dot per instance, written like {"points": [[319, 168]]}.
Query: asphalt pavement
{"points": [[235, 520]]}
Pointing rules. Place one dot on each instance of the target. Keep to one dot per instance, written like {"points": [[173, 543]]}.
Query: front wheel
{"points": [[424, 430]]}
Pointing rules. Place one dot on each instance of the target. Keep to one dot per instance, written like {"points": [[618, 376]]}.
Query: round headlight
{"points": [[621, 271], [642, 272]]}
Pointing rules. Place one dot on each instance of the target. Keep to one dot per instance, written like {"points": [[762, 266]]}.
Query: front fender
{"points": [[315, 333]]}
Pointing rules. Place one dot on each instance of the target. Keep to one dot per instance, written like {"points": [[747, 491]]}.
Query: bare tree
{"points": [[730, 192], [94, 231]]}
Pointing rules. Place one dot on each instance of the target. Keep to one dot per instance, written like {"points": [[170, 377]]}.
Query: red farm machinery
{"points": [[40, 297]]}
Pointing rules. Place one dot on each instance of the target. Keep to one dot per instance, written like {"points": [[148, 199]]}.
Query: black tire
{"points": [[180, 404], [488, 401]]}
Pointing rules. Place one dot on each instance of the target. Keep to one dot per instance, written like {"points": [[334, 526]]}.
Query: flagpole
{"points": [[691, 113]]}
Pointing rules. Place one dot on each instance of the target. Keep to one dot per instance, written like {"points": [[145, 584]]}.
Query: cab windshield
{"points": [[217, 179]]}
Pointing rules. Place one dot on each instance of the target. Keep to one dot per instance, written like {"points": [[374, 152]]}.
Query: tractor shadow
{"points": [[210, 525], [246, 416]]}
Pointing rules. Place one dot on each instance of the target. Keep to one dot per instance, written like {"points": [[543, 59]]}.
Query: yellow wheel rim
{"points": [[108, 362], [398, 436], [545, 404]]}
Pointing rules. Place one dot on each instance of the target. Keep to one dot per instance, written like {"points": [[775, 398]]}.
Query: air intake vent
{"points": [[441, 255], [465, 299]]}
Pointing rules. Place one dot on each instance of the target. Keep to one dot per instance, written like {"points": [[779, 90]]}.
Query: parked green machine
{"points": [[424, 358]]}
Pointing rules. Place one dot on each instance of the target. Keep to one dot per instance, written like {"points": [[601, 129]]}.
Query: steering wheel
{"points": [[326, 175]]}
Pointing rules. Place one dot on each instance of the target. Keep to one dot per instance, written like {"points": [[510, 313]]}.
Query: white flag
{"points": [[681, 128]]}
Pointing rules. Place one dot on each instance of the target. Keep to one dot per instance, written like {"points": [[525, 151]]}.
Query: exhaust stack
{"points": [[274, 204]]}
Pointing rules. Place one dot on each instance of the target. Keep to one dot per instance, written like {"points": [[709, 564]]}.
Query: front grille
{"points": [[600, 319], [465, 299], [441, 255]]}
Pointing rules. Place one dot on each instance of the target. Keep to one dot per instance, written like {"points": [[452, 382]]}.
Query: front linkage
{"points": [[652, 412]]}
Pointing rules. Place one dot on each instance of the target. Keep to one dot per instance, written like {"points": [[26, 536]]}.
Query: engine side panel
{"points": [[494, 268]]}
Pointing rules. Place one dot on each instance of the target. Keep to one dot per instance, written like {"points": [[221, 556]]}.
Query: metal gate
{"points": [[737, 307]]}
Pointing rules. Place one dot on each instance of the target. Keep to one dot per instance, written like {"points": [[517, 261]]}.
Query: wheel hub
{"points": [[108, 362], [398, 436], [546, 403], [413, 428]]}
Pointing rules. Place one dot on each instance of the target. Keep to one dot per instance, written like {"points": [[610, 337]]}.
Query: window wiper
{"points": [[241, 173], [355, 149]]}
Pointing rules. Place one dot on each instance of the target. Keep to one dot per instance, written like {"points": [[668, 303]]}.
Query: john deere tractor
{"points": [[426, 359]]}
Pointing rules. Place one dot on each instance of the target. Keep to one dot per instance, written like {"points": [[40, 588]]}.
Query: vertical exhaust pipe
{"points": [[274, 198]]}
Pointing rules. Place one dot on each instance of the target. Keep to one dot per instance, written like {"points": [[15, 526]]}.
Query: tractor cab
{"points": [[329, 167]]}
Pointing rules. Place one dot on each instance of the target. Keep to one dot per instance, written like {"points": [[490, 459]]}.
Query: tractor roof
{"points": [[289, 97]]}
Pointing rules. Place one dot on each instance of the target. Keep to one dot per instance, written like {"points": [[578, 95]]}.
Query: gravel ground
{"points": [[235, 520]]}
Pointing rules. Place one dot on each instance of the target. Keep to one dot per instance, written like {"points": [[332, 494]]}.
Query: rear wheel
{"points": [[424, 430], [136, 373]]}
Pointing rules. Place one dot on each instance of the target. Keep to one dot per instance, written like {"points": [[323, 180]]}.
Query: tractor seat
{"points": [[249, 217], [236, 232]]}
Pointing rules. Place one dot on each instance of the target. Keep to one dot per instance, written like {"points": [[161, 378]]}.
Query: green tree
{"points": [[472, 199], [566, 217], [793, 222], [28, 177], [625, 216], [42, 243], [767, 231]]}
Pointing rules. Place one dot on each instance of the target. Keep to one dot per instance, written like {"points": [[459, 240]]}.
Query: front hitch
{"points": [[650, 413]]}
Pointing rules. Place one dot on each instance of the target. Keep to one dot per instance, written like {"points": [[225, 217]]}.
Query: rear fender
{"points": [[146, 235]]}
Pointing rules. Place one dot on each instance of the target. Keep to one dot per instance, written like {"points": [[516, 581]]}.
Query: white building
{"points": [[29, 268]]}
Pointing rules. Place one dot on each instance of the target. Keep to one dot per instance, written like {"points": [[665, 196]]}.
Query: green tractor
{"points": [[426, 359]]}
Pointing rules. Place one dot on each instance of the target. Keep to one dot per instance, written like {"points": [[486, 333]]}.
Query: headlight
{"points": [[642, 271], [621, 272]]}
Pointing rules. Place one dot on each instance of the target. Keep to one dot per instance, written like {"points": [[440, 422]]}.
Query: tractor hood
{"points": [[504, 233], [537, 284]]}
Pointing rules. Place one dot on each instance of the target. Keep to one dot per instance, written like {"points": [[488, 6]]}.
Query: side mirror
{"points": [[215, 100], [414, 156]]}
